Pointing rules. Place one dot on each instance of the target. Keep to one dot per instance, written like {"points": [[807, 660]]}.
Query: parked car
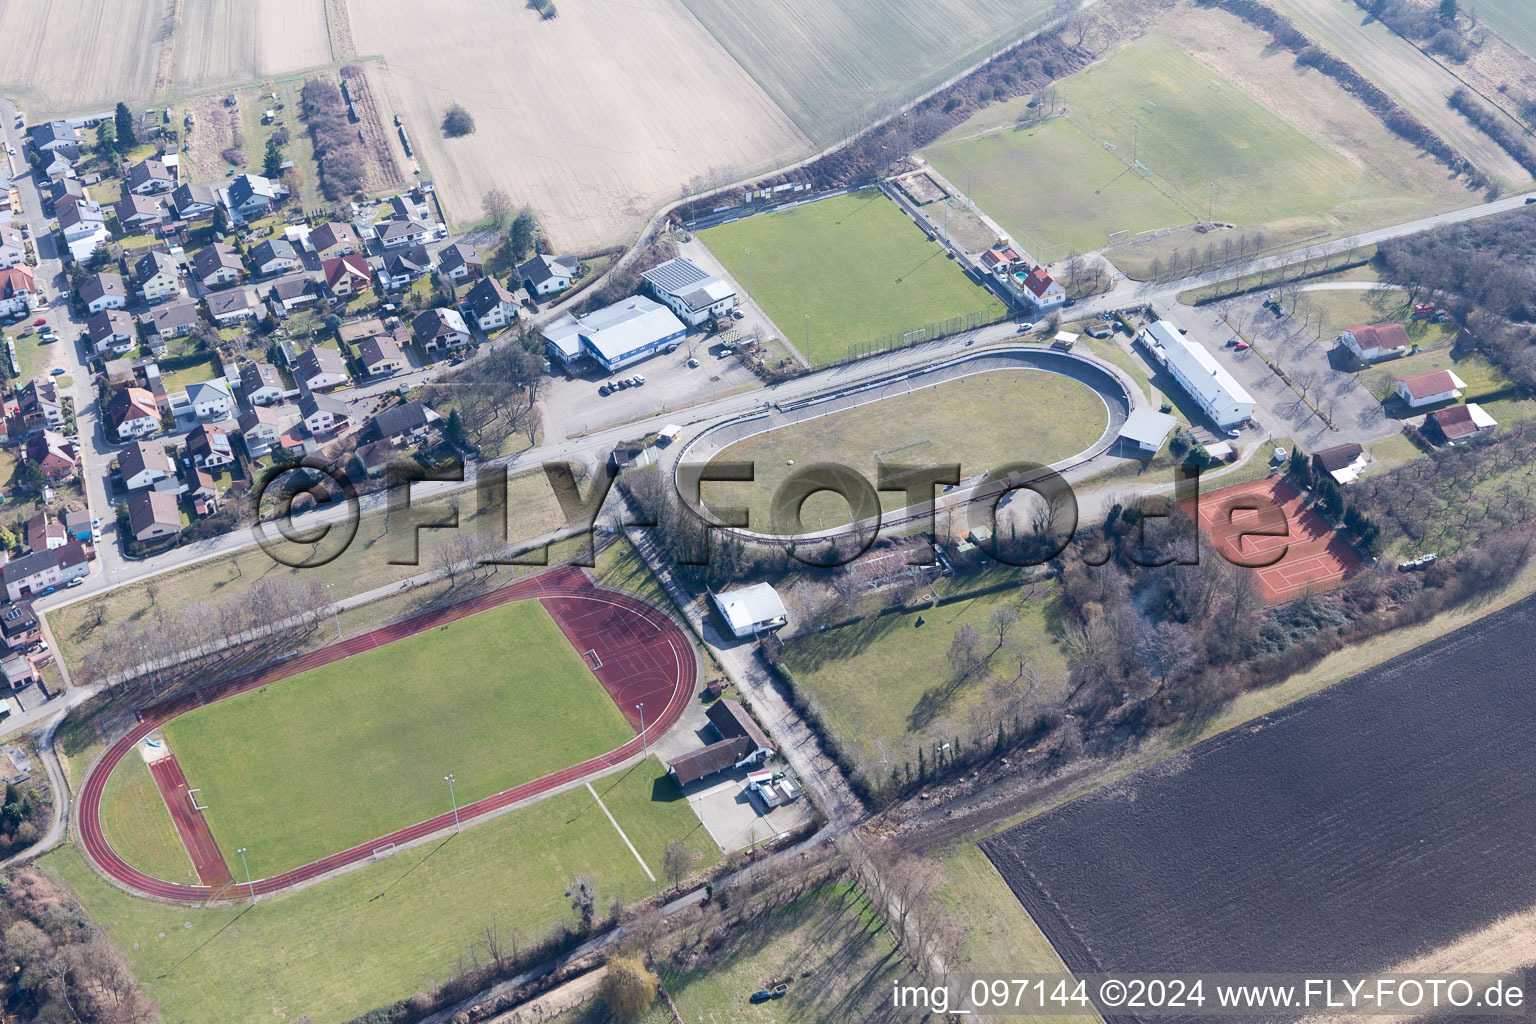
{"points": [[1241, 346], [638, 380], [604, 391], [76, 582], [737, 314], [48, 590], [692, 363], [58, 371], [39, 321], [1026, 327]]}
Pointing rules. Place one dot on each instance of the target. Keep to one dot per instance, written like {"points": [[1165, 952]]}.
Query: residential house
{"points": [[375, 456], [84, 227], [1462, 421], [38, 405], [78, 524], [1001, 260], [410, 207], [401, 425], [54, 454], [103, 291], [153, 515], [18, 292], [136, 212], [43, 571], [321, 413], [334, 240], [380, 356], [490, 305], [63, 192], [459, 262], [149, 178], [689, 291], [741, 742], [13, 247], [204, 492], [1373, 342], [171, 320], [43, 533], [395, 234], [157, 277], [211, 399], [133, 413], [58, 165], [233, 306], [19, 626], [399, 268], [439, 330], [251, 195], [347, 275], [259, 427], [319, 369], [192, 201], [261, 383], [1343, 463], [217, 266], [209, 447], [295, 291], [58, 137], [111, 332], [143, 463], [275, 256], [545, 275], [357, 331], [1432, 388], [1040, 290]]}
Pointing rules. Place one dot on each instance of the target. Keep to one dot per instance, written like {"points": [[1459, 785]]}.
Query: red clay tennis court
{"points": [[638, 653], [1264, 525]]}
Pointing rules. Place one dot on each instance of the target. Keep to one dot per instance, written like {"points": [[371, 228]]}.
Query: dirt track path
{"points": [[1397, 66]]}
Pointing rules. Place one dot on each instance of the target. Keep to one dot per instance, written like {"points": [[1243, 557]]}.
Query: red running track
{"points": [[643, 655], [196, 836]]}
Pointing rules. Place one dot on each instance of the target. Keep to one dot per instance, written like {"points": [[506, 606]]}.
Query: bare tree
{"points": [[498, 207], [676, 860], [1002, 622]]}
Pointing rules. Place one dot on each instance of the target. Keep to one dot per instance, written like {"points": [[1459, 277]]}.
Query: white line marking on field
{"points": [[620, 831]]}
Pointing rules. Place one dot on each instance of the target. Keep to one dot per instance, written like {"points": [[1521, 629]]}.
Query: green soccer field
{"points": [[1068, 185], [855, 264], [334, 757]]}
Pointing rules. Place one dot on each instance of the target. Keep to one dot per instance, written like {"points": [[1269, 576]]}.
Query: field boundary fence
{"points": [[898, 340]]}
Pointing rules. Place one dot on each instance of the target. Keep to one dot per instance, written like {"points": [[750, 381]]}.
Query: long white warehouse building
{"points": [[1215, 390]]}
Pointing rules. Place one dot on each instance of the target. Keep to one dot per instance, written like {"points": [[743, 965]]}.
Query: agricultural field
{"points": [[380, 933], [855, 264], [592, 118], [884, 686], [1511, 19], [498, 698], [1293, 156], [224, 42], [981, 421], [833, 67], [76, 57], [1420, 852]]}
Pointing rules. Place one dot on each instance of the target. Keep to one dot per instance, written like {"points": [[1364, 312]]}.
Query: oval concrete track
{"points": [[1106, 381], [566, 585]]}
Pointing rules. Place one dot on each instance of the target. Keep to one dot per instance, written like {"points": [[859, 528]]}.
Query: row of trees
{"points": [[337, 150]]}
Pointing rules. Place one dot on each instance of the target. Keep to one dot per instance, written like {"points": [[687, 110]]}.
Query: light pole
{"points": [[644, 750], [748, 253], [149, 672], [453, 800], [250, 884], [807, 352], [335, 613]]}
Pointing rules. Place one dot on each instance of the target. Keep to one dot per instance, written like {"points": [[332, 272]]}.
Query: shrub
{"points": [[458, 122], [234, 157]]}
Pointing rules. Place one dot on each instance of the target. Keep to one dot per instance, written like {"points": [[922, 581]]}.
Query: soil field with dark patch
{"points": [[1372, 822]]}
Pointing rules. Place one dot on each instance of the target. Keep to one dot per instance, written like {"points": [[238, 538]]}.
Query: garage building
{"points": [[751, 610], [1215, 391]]}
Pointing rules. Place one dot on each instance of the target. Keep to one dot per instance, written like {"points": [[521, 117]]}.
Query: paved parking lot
{"points": [[734, 817]]}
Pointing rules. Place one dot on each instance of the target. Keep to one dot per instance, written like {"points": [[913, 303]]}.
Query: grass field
{"points": [[855, 264], [883, 685], [136, 823], [1290, 154], [831, 66], [335, 950], [497, 699], [1342, 309], [1482, 377], [1079, 191], [363, 566], [981, 422], [1511, 19]]}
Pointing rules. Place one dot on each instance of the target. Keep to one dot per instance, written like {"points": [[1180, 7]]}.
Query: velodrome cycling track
{"points": [[642, 650]]}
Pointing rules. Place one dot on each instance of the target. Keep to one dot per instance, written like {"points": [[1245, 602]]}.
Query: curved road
{"points": [[562, 587]]}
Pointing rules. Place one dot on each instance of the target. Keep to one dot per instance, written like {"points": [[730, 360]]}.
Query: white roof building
{"points": [[618, 335], [1216, 391], [1147, 428], [750, 610], [689, 291]]}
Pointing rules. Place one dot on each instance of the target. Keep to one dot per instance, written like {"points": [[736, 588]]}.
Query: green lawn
{"points": [[136, 823], [1341, 309], [980, 422], [364, 565], [339, 755], [35, 357], [1481, 376], [334, 950], [855, 264], [883, 685], [190, 371], [829, 941], [1078, 195], [832, 66]]}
